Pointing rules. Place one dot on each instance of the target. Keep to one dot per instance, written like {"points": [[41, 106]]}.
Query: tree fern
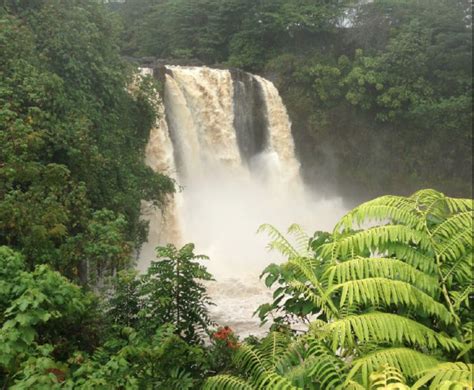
{"points": [[260, 369], [457, 245], [411, 255], [391, 287], [301, 238]]}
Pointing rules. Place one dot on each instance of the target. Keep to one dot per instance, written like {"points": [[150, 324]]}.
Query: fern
{"points": [[252, 361], [302, 239], [459, 270], [327, 369], [387, 378], [279, 242], [455, 246], [379, 327], [374, 239], [422, 261], [392, 299], [453, 224], [259, 364], [394, 208], [273, 346], [451, 373], [226, 382], [362, 268], [376, 291], [408, 361]]}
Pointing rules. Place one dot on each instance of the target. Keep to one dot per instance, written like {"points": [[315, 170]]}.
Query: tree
{"points": [[66, 115], [173, 293]]}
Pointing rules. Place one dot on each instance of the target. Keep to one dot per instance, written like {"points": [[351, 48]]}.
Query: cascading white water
{"points": [[280, 139], [164, 226], [233, 153]]}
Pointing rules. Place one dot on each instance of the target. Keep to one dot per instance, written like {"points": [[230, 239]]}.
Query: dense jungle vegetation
{"points": [[387, 302], [380, 94]]}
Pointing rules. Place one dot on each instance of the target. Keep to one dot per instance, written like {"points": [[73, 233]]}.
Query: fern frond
{"points": [[305, 267], [460, 269], [387, 378], [302, 239], [423, 261], [450, 385], [379, 327], [273, 346], [363, 267], [374, 239], [352, 385], [408, 361], [394, 209], [327, 369], [276, 382], [226, 382], [279, 242], [462, 297], [251, 361], [459, 205], [457, 372], [381, 290], [260, 371], [456, 222], [457, 245], [296, 363], [430, 202], [306, 290]]}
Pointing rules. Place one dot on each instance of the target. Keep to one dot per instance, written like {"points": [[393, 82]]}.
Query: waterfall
{"points": [[225, 137], [164, 226]]}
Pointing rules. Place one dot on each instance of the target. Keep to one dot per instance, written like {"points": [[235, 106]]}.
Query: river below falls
{"points": [[235, 301]]}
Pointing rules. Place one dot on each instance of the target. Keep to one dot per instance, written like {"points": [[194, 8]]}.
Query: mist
{"points": [[236, 172]]}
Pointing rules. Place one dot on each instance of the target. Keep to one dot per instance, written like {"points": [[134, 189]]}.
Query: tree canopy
{"points": [[379, 93], [66, 115]]}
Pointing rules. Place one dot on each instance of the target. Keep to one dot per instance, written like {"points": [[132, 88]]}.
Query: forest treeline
{"points": [[74, 122], [72, 140], [379, 93]]}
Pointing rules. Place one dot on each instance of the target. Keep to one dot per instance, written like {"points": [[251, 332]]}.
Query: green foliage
{"points": [[170, 292], [382, 287], [162, 360], [42, 314], [55, 335], [244, 33], [387, 378], [450, 374], [377, 91], [174, 294], [123, 303], [259, 364], [404, 78], [223, 347], [65, 116]]}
